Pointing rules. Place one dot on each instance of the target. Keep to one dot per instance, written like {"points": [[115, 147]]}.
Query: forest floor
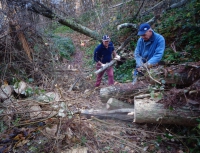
{"points": [[74, 133], [111, 135]]}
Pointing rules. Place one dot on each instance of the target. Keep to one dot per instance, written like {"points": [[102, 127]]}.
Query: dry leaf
{"points": [[51, 131], [5, 91], [20, 87], [21, 143]]}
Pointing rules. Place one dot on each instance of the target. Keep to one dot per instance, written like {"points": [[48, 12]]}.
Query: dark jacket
{"points": [[102, 54]]}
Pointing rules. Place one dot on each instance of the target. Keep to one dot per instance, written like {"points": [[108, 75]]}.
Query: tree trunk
{"points": [[182, 75], [43, 10], [120, 91], [120, 114], [105, 67], [148, 110]]}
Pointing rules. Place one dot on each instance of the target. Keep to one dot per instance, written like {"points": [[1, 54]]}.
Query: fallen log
{"points": [[180, 75], [122, 91], [117, 104], [148, 110], [105, 67], [120, 114]]}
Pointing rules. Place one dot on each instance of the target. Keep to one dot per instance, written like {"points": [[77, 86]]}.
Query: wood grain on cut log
{"points": [[117, 104], [147, 110], [121, 90]]}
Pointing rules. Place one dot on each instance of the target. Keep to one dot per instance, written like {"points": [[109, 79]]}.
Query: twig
{"points": [[35, 121], [195, 66], [119, 4], [157, 6], [72, 86], [96, 119], [138, 10], [179, 140], [173, 47], [150, 75], [57, 133], [126, 143]]}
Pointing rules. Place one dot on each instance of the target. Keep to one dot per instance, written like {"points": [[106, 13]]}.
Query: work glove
{"points": [[117, 57], [102, 65]]}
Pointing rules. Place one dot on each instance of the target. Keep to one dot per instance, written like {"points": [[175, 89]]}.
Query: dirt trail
{"points": [[83, 88]]}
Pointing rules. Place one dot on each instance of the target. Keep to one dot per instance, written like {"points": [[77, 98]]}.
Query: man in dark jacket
{"points": [[102, 55]]}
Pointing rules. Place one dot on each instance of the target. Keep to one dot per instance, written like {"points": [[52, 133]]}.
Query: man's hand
{"points": [[117, 57], [147, 65]]}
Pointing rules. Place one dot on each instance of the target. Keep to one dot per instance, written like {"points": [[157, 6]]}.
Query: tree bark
{"points": [[117, 104], [43, 10], [120, 114], [182, 75], [120, 91], [149, 111], [105, 67]]}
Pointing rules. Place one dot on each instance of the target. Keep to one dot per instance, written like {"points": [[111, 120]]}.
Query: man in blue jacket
{"points": [[102, 55], [149, 50]]}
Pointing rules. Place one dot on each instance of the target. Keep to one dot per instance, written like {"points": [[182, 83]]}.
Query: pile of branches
{"points": [[23, 52], [39, 126], [180, 97]]}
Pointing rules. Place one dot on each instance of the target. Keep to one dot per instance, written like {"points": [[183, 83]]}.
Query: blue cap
{"points": [[144, 27], [106, 38]]}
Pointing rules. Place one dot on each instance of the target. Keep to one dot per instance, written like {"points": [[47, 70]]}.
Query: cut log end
{"points": [[117, 104], [148, 110]]}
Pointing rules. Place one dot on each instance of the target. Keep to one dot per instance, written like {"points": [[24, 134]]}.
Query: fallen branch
{"points": [[120, 4], [105, 67], [72, 86], [120, 114], [175, 5], [127, 25]]}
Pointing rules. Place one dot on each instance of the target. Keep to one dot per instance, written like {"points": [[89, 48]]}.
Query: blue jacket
{"points": [[102, 54], [150, 51]]}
